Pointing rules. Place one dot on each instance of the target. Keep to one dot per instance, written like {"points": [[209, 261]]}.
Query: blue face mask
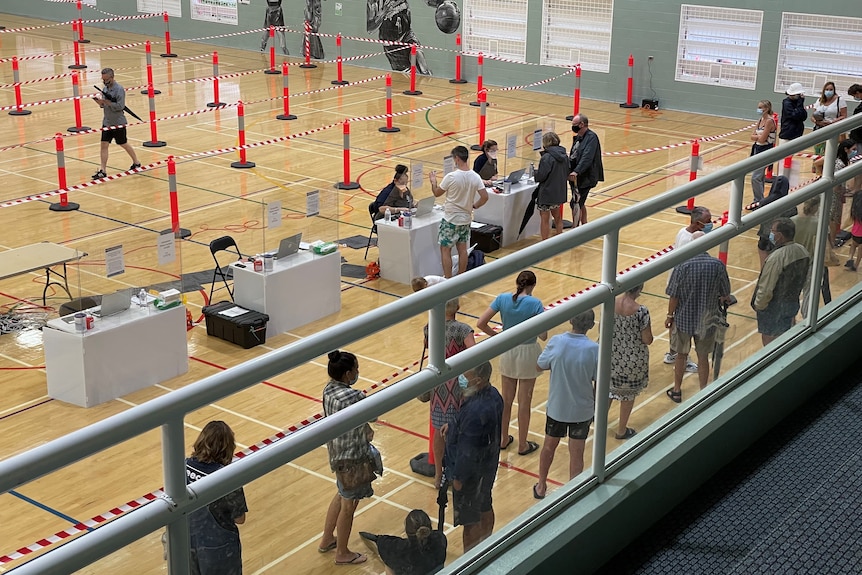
{"points": [[772, 238], [852, 153], [707, 227], [829, 93], [463, 382], [759, 112]]}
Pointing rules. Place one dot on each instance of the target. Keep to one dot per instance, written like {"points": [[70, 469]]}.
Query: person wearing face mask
{"points": [[793, 114], [776, 297], [587, 171], [399, 199], [780, 188], [828, 109], [763, 138], [485, 163], [344, 452], [573, 360], [473, 454]]}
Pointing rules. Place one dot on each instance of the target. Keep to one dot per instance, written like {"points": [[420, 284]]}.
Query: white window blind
{"points": [[496, 27], [577, 32]]}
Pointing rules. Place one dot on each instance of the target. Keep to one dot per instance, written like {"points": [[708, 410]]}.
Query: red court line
{"points": [[508, 465], [276, 386]]}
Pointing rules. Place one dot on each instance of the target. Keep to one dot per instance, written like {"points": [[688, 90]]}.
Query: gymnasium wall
{"points": [[640, 27]]}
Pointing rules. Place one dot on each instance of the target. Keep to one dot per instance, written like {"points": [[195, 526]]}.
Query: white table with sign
{"points": [[301, 288], [507, 210], [406, 254], [123, 353]]}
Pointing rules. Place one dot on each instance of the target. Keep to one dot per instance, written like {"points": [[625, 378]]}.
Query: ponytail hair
{"points": [[525, 279], [400, 170], [340, 362], [418, 527]]}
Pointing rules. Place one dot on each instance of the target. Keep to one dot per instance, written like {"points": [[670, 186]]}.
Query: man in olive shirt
{"points": [[806, 236], [112, 102]]}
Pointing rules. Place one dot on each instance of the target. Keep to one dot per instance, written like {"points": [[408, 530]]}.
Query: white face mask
{"points": [[492, 154], [354, 379]]}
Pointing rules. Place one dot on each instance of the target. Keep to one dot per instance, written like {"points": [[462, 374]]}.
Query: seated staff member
{"points": [[399, 179], [485, 163]]}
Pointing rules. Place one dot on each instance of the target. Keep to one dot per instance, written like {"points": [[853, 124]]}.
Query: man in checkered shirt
{"points": [[695, 288]]}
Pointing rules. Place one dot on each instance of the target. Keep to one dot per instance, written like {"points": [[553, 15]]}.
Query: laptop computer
{"points": [[513, 178], [288, 246], [114, 303], [424, 206]]}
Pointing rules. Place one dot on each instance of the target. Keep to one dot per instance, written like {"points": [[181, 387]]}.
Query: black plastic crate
{"points": [[246, 330], [488, 238]]}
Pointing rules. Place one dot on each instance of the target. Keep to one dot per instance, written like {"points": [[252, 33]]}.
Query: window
{"points": [[496, 27], [815, 49], [577, 31], [718, 46]]}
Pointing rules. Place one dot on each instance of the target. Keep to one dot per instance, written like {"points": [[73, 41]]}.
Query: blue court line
{"points": [[44, 507]]}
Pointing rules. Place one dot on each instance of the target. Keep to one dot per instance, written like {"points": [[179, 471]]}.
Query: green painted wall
{"points": [[641, 27]]}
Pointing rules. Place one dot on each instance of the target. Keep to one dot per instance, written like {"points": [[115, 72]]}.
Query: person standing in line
{"points": [[112, 102], [828, 109], [700, 221], [696, 288], [776, 297], [274, 16], [763, 138], [573, 360], [517, 365], [630, 363], [793, 114], [806, 236], [445, 399], [587, 169], [460, 188], [473, 454], [215, 543], [551, 176], [344, 450]]}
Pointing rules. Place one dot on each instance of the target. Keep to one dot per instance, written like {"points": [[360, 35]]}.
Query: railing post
{"points": [[734, 208], [606, 342], [437, 337], [173, 457]]}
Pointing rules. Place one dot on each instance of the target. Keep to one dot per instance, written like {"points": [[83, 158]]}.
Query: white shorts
{"points": [[520, 362]]}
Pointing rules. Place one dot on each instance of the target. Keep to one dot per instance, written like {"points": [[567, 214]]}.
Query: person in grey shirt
{"points": [[113, 101]]}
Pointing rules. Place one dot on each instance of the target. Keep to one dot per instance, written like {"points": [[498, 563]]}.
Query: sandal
{"points": [[511, 439], [629, 433], [531, 447], [536, 493], [329, 547], [675, 396], [356, 560]]}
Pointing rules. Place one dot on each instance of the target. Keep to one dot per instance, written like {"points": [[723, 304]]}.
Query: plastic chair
{"points": [[373, 209], [222, 244]]}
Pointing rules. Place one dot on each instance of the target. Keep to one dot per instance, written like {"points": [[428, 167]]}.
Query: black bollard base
{"points": [[155, 144], [242, 165], [69, 207], [20, 112], [216, 104], [347, 185], [168, 55], [632, 105], [273, 72], [412, 92], [76, 129], [339, 82], [458, 81], [180, 234], [147, 92], [286, 117], [420, 465], [387, 129]]}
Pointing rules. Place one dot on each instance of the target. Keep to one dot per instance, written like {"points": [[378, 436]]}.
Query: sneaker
{"points": [[99, 175], [134, 167], [669, 357], [690, 367], [848, 263]]}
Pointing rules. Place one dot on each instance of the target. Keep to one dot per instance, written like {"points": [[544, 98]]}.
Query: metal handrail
{"points": [[168, 411]]}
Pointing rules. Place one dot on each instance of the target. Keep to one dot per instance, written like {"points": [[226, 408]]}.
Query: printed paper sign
{"points": [[174, 8], [448, 165], [167, 248], [273, 214], [417, 175], [511, 145], [114, 264], [221, 11], [537, 140], [312, 203]]}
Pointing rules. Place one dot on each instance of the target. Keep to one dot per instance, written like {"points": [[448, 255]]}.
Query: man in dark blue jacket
{"points": [[793, 114], [586, 164]]}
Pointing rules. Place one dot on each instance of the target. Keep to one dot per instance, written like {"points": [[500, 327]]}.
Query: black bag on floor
{"points": [[475, 259], [488, 238]]}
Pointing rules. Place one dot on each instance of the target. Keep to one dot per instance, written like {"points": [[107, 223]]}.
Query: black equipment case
{"points": [[246, 330], [488, 238]]}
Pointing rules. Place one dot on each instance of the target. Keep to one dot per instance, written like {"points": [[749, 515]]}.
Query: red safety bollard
{"points": [[346, 184], [722, 249], [286, 96], [77, 49], [81, 38], [272, 69], [787, 166], [458, 51], [76, 94], [630, 85], [306, 47], [338, 62], [18, 111], [480, 63], [168, 53], [216, 102], [148, 50], [179, 233], [154, 137], [65, 205], [483, 99], [389, 127], [694, 164], [413, 91], [240, 117], [577, 97]]}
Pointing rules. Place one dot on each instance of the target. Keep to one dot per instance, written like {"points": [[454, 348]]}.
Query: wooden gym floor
{"points": [[286, 507]]}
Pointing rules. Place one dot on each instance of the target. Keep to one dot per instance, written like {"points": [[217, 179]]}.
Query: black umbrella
{"points": [[531, 209], [112, 99]]}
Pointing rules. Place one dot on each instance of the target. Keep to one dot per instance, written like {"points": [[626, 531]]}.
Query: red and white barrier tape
{"points": [[69, 22], [677, 145], [531, 85]]}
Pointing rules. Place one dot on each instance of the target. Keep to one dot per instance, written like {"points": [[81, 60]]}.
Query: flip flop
{"points": [[531, 447], [511, 439], [675, 396], [329, 547], [629, 433], [536, 493], [357, 559]]}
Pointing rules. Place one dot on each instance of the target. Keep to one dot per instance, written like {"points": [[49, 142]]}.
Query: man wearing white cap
{"points": [[793, 116]]}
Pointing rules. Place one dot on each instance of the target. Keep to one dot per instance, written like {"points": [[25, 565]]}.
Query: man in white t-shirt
{"points": [[701, 221], [460, 187]]}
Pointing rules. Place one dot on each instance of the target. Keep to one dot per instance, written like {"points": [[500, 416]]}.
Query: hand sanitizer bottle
{"points": [[142, 298]]}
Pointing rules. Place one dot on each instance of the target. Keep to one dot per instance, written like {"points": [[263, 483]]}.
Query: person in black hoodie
{"points": [[793, 114], [551, 175]]}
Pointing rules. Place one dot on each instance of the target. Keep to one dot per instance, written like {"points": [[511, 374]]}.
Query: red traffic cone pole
{"points": [[65, 205], [577, 97], [18, 111], [338, 62], [389, 127], [76, 94], [272, 69], [286, 96], [413, 91], [240, 116], [694, 164], [346, 184], [630, 85], [458, 79], [216, 102], [480, 63], [168, 53]]}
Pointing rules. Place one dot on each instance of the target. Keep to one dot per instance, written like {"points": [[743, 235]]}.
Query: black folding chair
{"points": [[373, 208], [222, 244]]}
